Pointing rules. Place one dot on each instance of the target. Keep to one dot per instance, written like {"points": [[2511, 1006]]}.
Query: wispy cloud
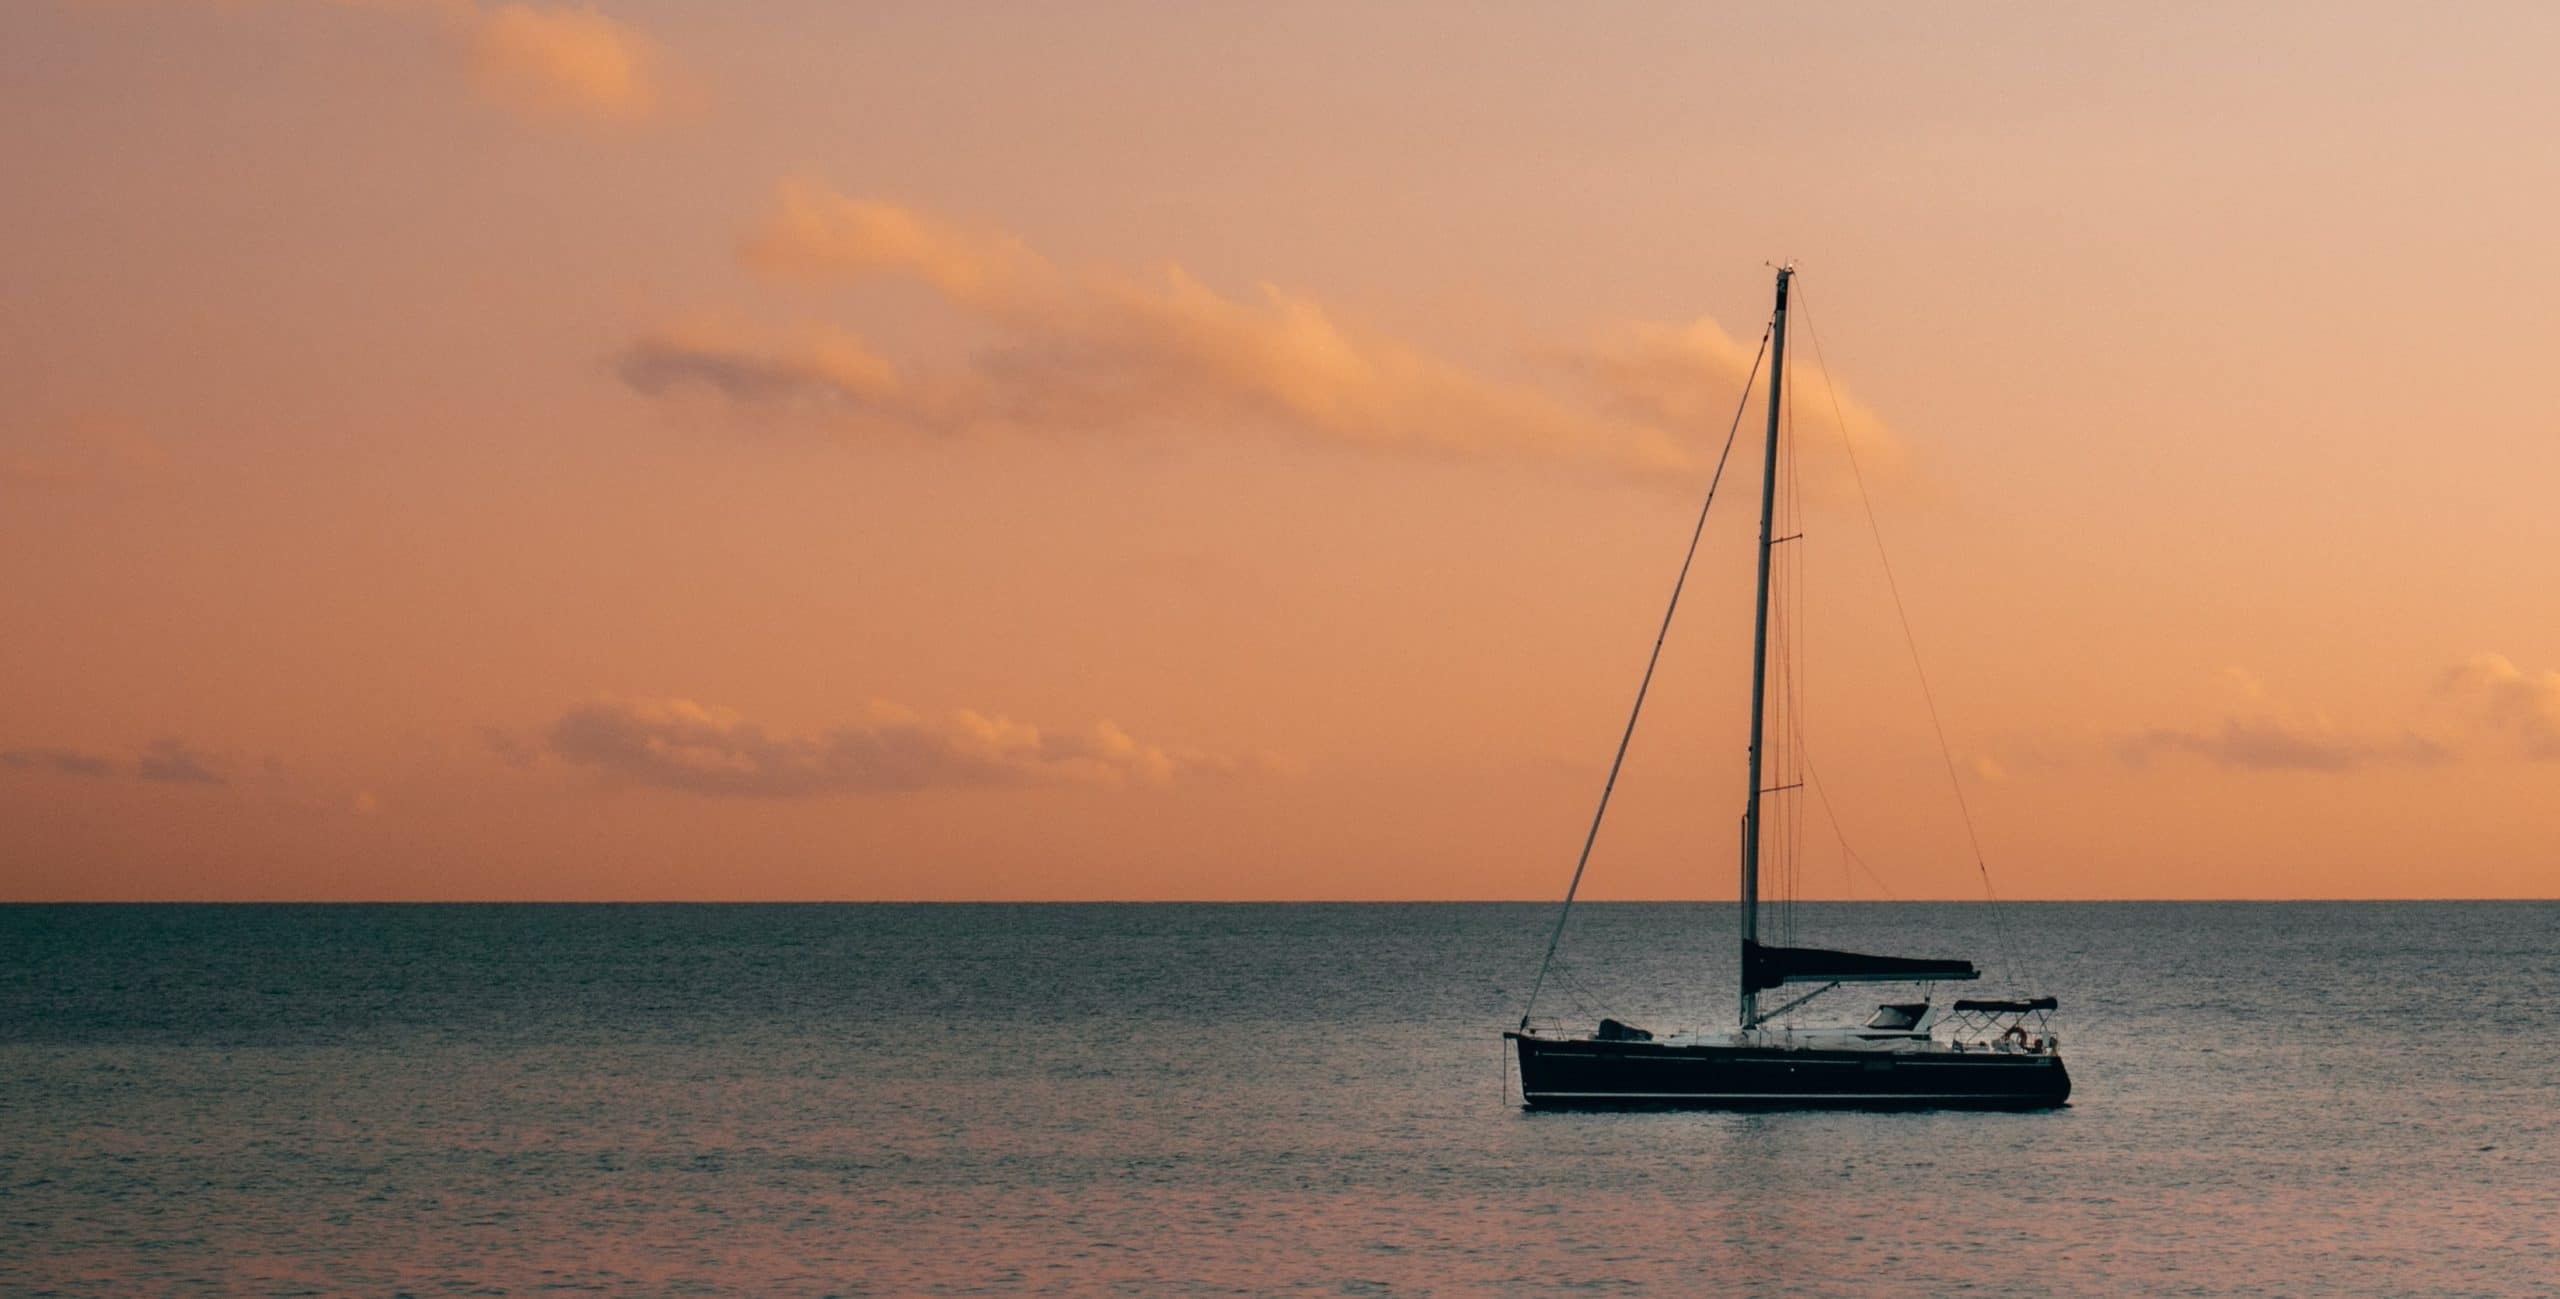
{"points": [[683, 745], [2272, 744], [2485, 702], [814, 234], [561, 61], [513, 749], [2523, 705], [166, 761], [60, 762], [554, 62], [1090, 350], [810, 366], [1689, 377], [172, 762]]}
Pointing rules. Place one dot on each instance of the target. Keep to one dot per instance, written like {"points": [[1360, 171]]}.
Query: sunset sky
{"points": [[875, 451]]}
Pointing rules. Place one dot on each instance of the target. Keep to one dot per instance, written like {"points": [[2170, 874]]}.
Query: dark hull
{"points": [[1583, 1073]]}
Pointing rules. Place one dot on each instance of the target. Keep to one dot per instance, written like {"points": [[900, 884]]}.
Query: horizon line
{"points": [[1203, 902]]}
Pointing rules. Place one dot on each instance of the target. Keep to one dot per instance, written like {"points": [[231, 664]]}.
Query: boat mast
{"points": [[1760, 649]]}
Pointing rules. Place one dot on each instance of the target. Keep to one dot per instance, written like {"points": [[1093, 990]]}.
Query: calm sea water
{"points": [[2351, 1099]]}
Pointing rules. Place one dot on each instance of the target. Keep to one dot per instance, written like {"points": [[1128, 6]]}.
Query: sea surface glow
{"points": [[2279, 1099]]}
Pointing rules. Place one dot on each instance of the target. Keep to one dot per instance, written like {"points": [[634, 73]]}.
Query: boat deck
{"points": [[1767, 1069]]}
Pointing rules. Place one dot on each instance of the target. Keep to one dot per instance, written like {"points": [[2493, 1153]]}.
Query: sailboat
{"points": [[1981, 1053]]}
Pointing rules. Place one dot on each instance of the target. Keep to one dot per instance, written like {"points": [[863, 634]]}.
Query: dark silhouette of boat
{"points": [[1984, 1053]]}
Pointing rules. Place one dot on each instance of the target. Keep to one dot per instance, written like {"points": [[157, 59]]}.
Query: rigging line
{"points": [[1773, 821], [1832, 815], [1798, 627], [1946, 752], [1772, 844], [1592, 1005], [1646, 683], [1782, 665], [1787, 627]]}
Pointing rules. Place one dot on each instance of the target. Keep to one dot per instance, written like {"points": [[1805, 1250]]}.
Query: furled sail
{"points": [[1765, 967]]}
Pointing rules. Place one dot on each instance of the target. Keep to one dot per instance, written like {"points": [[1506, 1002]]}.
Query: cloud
{"points": [[812, 366], [1691, 376], [2525, 705], [172, 762], [267, 781], [515, 750], [2490, 693], [2268, 744], [549, 62], [680, 744], [61, 762], [1104, 350], [564, 62], [168, 761], [813, 234]]}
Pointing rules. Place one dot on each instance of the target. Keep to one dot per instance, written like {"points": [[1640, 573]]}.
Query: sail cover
{"points": [[2008, 1007], [1767, 967]]}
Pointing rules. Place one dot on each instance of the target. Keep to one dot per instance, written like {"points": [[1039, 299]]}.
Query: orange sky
{"points": [[803, 450]]}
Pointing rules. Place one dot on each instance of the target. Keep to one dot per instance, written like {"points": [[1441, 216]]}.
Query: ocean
{"points": [[2273, 1099]]}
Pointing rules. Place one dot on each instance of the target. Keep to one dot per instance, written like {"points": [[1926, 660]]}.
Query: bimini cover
{"points": [[2008, 1007], [1767, 967]]}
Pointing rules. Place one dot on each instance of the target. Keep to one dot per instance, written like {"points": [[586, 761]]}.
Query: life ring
{"points": [[2017, 1033]]}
